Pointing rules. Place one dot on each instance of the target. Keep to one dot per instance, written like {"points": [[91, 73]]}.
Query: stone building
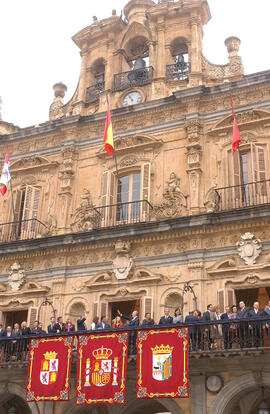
{"points": [[184, 223]]}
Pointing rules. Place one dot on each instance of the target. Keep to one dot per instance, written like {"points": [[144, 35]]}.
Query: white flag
{"points": [[5, 177]]}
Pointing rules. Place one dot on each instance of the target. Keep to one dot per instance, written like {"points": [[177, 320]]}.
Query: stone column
{"points": [[47, 407], [160, 50], [198, 395], [66, 176], [195, 51], [83, 74]]}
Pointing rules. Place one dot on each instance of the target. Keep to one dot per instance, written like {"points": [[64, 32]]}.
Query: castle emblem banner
{"points": [[49, 369], [101, 368], [162, 363]]}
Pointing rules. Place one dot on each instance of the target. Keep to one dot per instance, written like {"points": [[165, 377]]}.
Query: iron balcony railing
{"points": [[93, 92], [119, 214], [137, 77], [178, 71], [21, 230], [245, 195], [220, 338]]}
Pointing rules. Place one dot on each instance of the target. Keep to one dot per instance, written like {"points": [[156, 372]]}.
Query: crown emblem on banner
{"points": [[102, 353], [50, 355], [162, 349]]}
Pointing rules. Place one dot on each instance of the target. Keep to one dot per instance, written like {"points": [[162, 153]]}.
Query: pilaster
{"points": [[198, 397]]}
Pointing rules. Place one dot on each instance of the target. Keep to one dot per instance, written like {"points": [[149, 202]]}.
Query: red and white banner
{"points": [[101, 368], [49, 369], [162, 363], [5, 177]]}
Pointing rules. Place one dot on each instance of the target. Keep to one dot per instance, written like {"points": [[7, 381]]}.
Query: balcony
{"points": [[22, 230], [222, 338], [124, 213], [241, 196], [137, 77], [93, 92], [178, 71]]}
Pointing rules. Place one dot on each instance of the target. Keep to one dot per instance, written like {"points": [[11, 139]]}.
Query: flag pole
{"points": [[114, 152]]}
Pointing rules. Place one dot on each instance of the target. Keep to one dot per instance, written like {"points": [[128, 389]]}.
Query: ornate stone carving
{"points": [[176, 202], [193, 129], [85, 217], [123, 262], [211, 200], [249, 248], [16, 277]]}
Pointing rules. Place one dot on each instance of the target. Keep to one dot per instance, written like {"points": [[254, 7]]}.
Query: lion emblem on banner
{"points": [[49, 368]]}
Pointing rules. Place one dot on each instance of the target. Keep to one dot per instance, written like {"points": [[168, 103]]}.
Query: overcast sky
{"points": [[36, 49]]}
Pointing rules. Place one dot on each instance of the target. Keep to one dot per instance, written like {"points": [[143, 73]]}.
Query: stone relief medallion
{"points": [[249, 248], [123, 262], [16, 277]]}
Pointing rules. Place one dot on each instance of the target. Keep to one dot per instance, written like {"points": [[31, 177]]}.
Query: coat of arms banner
{"points": [[101, 368], [162, 363], [49, 369]]}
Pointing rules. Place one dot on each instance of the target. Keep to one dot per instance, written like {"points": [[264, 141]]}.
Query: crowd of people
{"points": [[206, 331]]}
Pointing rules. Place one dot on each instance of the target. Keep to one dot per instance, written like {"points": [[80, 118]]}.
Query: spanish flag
{"points": [[108, 133]]}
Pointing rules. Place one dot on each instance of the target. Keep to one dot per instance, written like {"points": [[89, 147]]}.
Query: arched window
{"points": [[97, 80], [180, 69]]}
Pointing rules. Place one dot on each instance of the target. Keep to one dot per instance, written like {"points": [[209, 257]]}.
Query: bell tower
{"points": [[151, 52]]}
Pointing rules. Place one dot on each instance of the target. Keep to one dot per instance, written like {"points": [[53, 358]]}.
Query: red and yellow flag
{"points": [[108, 134], [236, 134]]}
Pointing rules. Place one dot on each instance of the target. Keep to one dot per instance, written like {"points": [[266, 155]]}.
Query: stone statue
{"points": [[173, 188]]}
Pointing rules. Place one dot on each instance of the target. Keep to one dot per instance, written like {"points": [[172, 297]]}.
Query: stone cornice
{"points": [[201, 224]]}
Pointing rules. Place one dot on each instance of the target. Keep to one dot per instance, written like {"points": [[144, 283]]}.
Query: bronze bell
{"points": [[139, 63]]}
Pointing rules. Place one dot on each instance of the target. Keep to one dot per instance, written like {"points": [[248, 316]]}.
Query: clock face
{"points": [[132, 98]]}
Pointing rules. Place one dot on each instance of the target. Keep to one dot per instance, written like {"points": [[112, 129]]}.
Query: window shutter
{"points": [[258, 169], [32, 316], [147, 306], [103, 309], [221, 300], [108, 197], [17, 196], [145, 189], [30, 211], [230, 294]]}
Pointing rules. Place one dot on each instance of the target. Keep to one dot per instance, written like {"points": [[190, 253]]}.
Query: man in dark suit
{"points": [[166, 319], [2, 331], [242, 313], [51, 328], [208, 340], [148, 321], [36, 329], [103, 324], [255, 328], [132, 321], [226, 327], [59, 327], [194, 330], [81, 325]]}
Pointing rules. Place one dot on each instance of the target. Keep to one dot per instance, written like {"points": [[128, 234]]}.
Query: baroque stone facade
{"points": [[175, 214]]}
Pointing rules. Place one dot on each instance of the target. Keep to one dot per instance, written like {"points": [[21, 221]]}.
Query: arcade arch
{"points": [[13, 396]]}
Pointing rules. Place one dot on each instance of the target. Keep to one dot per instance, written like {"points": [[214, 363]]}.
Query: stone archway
{"points": [[233, 392], [15, 393]]}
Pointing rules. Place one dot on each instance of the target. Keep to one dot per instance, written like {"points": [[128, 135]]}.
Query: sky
{"points": [[36, 49]]}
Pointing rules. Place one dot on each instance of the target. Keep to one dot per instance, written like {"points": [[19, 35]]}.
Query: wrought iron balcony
{"points": [[240, 196], [22, 230], [178, 71], [93, 92], [137, 77], [220, 338], [124, 213]]}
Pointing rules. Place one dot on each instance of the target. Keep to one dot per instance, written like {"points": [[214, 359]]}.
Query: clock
{"points": [[132, 98]]}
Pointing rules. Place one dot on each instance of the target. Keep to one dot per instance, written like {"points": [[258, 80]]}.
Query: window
{"points": [[128, 192], [26, 204], [125, 200], [247, 173]]}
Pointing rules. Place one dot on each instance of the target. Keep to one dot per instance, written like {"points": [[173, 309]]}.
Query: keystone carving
{"points": [[249, 248], [16, 277], [123, 262]]}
